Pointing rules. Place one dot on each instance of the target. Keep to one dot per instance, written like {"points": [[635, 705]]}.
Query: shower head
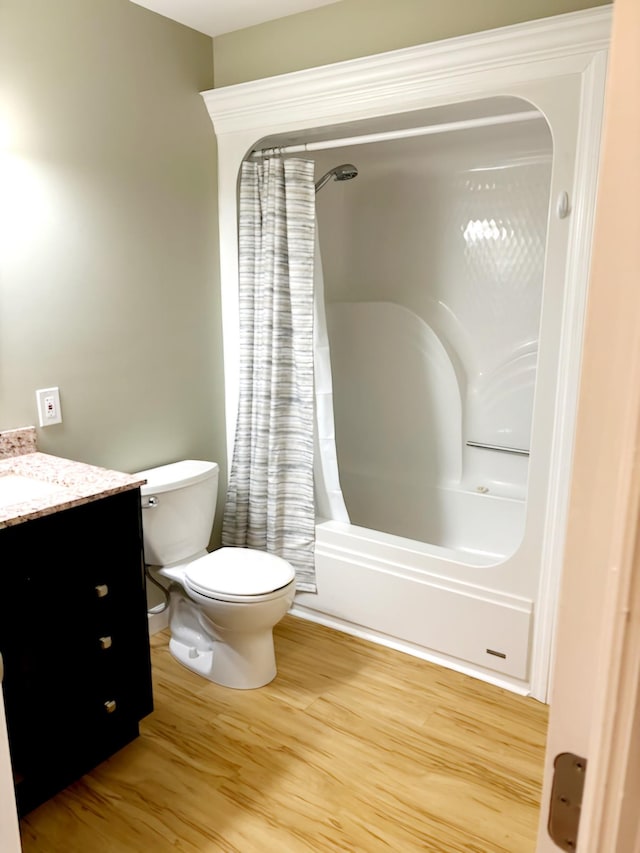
{"points": [[339, 173]]}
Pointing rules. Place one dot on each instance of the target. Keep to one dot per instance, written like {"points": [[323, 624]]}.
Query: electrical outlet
{"points": [[49, 410]]}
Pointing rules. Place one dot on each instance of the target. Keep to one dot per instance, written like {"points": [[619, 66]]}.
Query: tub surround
{"points": [[558, 65], [57, 483]]}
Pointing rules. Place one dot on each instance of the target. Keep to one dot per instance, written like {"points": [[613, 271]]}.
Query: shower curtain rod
{"points": [[464, 124]]}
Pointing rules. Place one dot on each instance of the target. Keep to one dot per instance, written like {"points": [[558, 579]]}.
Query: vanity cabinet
{"points": [[75, 642]]}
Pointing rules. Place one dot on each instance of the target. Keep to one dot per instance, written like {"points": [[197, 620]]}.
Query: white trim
{"points": [[158, 621], [565, 51], [398, 80], [577, 270]]}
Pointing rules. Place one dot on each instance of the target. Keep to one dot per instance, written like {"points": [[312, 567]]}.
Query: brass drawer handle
{"points": [[110, 706], [105, 642], [102, 590]]}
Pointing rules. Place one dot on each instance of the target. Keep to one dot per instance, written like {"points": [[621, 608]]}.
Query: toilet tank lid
{"points": [[176, 475]]}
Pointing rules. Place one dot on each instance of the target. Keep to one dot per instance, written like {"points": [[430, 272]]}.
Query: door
{"points": [[9, 832], [595, 710]]}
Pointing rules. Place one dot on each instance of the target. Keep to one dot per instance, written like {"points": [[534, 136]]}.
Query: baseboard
{"points": [[158, 621]]}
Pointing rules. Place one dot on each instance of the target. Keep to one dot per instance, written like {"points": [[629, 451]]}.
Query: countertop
{"points": [[38, 484]]}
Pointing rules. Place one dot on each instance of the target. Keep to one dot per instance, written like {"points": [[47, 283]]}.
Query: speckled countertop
{"points": [[57, 483]]}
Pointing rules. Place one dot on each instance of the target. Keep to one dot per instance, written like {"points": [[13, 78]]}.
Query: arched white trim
{"points": [[557, 64]]}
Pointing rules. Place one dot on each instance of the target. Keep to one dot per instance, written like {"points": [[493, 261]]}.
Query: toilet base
{"points": [[249, 664]]}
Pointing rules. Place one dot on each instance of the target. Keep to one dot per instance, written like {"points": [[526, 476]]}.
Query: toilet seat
{"points": [[239, 574]]}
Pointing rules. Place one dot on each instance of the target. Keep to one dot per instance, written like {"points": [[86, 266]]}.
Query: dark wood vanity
{"points": [[74, 640]]}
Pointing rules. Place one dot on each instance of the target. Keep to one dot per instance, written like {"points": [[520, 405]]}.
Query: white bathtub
{"points": [[461, 602], [473, 523]]}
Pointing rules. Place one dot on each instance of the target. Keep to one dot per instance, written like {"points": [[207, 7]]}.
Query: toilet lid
{"points": [[238, 571]]}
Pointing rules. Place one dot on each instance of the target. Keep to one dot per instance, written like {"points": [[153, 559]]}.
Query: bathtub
{"points": [[480, 524], [461, 601]]}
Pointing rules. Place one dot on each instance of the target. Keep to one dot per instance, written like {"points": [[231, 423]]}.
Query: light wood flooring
{"points": [[353, 747]]}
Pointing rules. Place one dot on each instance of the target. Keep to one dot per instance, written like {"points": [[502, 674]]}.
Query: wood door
{"points": [[595, 709]]}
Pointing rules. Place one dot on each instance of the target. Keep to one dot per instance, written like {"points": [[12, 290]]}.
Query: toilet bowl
{"points": [[223, 605]]}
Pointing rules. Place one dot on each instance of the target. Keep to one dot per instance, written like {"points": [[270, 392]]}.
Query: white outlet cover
{"points": [[49, 409]]}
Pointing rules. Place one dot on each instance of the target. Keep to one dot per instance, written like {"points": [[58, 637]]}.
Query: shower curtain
{"points": [[270, 497]]}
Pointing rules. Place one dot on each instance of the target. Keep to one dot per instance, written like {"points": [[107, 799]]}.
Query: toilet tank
{"points": [[178, 508]]}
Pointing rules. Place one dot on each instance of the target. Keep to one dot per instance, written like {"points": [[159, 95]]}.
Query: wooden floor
{"points": [[353, 747]]}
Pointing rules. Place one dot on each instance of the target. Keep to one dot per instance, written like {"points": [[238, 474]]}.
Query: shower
{"points": [[423, 371], [431, 224], [339, 173]]}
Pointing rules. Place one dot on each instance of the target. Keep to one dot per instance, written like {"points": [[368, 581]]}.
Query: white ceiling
{"points": [[215, 17]]}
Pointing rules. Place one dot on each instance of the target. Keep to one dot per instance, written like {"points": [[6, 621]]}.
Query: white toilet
{"points": [[224, 604]]}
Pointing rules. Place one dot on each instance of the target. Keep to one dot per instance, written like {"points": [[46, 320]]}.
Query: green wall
{"points": [[108, 263], [353, 28]]}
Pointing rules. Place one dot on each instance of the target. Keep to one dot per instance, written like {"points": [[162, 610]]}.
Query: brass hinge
{"points": [[566, 799]]}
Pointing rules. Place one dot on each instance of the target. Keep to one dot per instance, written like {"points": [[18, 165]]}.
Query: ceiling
{"points": [[216, 17]]}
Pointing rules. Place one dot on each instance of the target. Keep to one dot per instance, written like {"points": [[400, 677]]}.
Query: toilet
{"points": [[223, 605]]}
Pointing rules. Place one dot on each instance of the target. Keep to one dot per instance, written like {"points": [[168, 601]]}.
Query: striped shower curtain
{"points": [[270, 499]]}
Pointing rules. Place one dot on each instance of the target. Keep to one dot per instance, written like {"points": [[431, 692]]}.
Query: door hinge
{"points": [[566, 799]]}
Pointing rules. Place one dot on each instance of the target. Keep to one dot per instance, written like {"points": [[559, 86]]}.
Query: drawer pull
{"points": [[102, 590], [105, 642], [110, 706]]}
